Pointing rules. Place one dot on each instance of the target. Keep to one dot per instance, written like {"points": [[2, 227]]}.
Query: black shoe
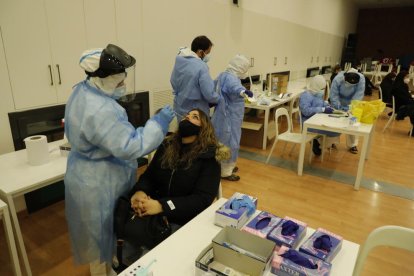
{"points": [[353, 150], [399, 117], [232, 177], [389, 114], [235, 169], [316, 147]]}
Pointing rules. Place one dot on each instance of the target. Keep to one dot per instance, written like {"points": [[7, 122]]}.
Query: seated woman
{"points": [[183, 177], [311, 102], [386, 87], [404, 103]]}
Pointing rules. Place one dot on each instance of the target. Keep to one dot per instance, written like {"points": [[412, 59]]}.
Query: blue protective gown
{"points": [[228, 115], [309, 105], [192, 85], [341, 95], [101, 167]]}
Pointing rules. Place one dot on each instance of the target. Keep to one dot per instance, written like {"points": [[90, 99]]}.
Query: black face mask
{"points": [[187, 128]]}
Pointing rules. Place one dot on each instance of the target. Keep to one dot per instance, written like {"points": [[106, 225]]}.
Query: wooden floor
{"points": [[318, 201]]}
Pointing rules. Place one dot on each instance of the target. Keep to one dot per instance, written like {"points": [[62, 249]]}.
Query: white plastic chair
{"points": [[294, 108], [380, 92], [328, 90], [288, 135], [393, 115], [390, 235]]}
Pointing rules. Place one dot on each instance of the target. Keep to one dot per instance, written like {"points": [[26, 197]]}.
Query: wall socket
{"points": [[311, 59], [275, 61], [285, 60], [251, 62]]}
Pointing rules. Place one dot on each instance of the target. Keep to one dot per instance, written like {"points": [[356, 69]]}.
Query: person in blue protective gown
{"points": [[229, 112], [311, 102], [190, 79], [347, 86], [102, 162]]}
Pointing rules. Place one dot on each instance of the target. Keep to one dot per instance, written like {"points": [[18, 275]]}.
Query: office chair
{"points": [[390, 235]]}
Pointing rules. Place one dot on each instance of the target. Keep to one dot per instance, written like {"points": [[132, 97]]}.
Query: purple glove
{"points": [[328, 110], [248, 93]]}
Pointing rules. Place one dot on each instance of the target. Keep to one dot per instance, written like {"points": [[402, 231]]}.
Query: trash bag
{"points": [[367, 111]]}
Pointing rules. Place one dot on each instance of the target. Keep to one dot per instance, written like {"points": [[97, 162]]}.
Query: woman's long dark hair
{"points": [[173, 156]]}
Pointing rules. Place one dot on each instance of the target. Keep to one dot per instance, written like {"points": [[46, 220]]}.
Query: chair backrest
{"points": [[393, 105], [279, 113], [390, 235], [328, 89]]}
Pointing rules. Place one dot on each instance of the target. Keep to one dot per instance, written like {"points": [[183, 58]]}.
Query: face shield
{"points": [[128, 85]]}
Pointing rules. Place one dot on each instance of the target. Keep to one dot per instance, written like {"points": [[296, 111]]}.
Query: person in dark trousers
{"points": [[404, 103]]}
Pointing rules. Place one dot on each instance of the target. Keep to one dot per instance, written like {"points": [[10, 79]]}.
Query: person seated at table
{"points": [[183, 178], [347, 86], [335, 71], [386, 87], [404, 103], [311, 102]]}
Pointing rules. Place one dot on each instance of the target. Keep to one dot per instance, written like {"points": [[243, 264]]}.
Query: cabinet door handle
{"points": [[51, 77], [57, 66]]}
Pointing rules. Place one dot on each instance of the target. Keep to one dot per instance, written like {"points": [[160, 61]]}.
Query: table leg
{"points": [[361, 162], [8, 230], [302, 150], [369, 142], [18, 234], [266, 123]]}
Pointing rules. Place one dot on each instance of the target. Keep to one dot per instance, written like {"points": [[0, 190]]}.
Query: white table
{"points": [[325, 122], [176, 255], [295, 88], [19, 178], [8, 230]]}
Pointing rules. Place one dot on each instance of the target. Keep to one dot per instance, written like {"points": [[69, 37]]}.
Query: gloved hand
{"points": [[164, 117], [248, 93], [328, 110], [345, 108]]}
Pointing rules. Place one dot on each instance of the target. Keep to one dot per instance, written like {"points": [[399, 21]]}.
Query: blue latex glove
{"points": [[164, 117], [328, 110], [299, 259], [248, 93], [345, 108], [289, 228], [323, 242]]}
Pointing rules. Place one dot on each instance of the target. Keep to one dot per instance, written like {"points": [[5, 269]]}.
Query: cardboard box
{"points": [[285, 267], [226, 216], [253, 130], [236, 250], [289, 241], [307, 246], [263, 217]]}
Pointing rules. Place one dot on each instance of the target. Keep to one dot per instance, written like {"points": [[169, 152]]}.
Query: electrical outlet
{"points": [[275, 61], [285, 60], [311, 59], [251, 62]]}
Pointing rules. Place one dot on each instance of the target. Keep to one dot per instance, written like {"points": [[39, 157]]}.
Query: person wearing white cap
{"points": [[228, 114], [102, 162], [347, 86], [311, 102]]}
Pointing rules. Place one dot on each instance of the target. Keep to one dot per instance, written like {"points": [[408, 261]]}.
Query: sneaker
{"points": [[232, 177], [334, 147], [316, 147], [235, 169], [353, 150]]}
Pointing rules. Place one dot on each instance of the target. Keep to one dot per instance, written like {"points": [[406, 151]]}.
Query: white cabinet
{"points": [[43, 40]]}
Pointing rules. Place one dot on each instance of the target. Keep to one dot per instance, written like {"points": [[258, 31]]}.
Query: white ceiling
{"points": [[370, 4]]}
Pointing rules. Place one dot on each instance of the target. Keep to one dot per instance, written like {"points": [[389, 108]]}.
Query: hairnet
{"points": [[239, 65], [89, 60], [317, 83]]}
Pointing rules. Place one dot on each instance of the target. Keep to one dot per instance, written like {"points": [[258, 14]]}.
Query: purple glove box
{"points": [[251, 227], [307, 246], [289, 241]]}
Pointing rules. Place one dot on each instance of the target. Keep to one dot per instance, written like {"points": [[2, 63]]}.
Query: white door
{"points": [[26, 44], [68, 41]]}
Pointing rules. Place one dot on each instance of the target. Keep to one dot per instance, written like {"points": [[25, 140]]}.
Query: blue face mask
{"points": [[320, 94], [206, 58], [119, 92]]}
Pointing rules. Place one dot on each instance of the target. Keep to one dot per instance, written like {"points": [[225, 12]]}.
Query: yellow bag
{"points": [[367, 111]]}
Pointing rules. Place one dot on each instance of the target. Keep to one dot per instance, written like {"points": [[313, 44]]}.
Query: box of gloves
{"points": [[236, 211], [287, 261], [288, 232], [262, 224], [322, 244]]}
